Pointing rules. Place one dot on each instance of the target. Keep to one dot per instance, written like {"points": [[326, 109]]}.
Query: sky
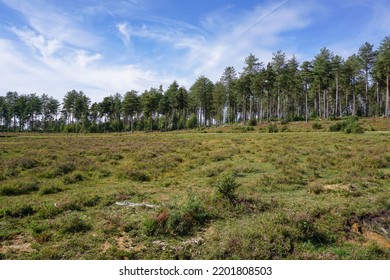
{"points": [[103, 47]]}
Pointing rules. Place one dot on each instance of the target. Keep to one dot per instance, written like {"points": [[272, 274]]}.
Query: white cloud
{"points": [[238, 34], [71, 57], [79, 70], [53, 23], [124, 32], [36, 41]]}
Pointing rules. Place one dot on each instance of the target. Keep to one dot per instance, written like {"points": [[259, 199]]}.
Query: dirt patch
{"points": [[18, 244], [338, 187], [106, 246], [377, 238], [124, 243], [373, 227]]}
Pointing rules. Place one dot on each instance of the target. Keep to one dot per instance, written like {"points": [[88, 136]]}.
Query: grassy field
{"points": [[221, 193]]}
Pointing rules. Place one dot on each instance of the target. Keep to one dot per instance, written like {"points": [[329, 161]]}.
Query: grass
{"points": [[300, 192]]}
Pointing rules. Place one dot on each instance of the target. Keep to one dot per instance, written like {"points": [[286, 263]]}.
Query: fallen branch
{"points": [[131, 204]]}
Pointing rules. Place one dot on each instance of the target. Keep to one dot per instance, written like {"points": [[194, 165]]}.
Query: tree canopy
{"points": [[283, 89]]}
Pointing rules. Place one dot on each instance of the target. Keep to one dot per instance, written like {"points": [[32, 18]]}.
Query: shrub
{"points": [[337, 127], [227, 186], [40, 231], [183, 219], [74, 223], [272, 128], [315, 189], [316, 126], [19, 188], [65, 168], [18, 212], [24, 163], [284, 121], [137, 175], [179, 220], [49, 211], [252, 122], [350, 125], [192, 121], [50, 190], [74, 178]]}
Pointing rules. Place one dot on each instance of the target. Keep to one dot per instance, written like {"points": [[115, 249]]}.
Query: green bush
{"points": [[17, 212], [284, 121], [350, 125], [24, 163], [74, 178], [49, 211], [227, 186], [74, 223], [316, 126], [272, 128], [137, 175], [192, 122], [183, 219], [179, 220], [50, 190], [19, 188], [65, 168], [252, 122]]}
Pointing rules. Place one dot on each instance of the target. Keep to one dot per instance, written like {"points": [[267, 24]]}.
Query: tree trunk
{"points": [[367, 109], [346, 102], [337, 96], [387, 96], [306, 105], [353, 101], [319, 102], [378, 105], [324, 99], [251, 107], [278, 103]]}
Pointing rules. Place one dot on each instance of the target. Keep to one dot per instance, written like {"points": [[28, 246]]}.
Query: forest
{"points": [[326, 87]]}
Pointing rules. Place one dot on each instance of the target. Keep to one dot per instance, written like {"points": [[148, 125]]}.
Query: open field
{"points": [[302, 193]]}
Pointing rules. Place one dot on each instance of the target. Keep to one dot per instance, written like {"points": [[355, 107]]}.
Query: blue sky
{"points": [[102, 47]]}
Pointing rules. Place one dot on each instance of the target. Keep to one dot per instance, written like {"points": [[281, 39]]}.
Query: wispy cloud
{"points": [[37, 41], [110, 46], [54, 23], [124, 33], [258, 31]]}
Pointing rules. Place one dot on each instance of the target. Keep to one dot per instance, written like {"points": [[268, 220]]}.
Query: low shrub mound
{"points": [[179, 220], [350, 125], [19, 188]]}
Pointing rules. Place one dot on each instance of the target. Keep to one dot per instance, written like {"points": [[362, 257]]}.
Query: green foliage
{"points": [[350, 125], [178, 220], [244, 129], [192, 121], [272, 128], [65, 168], [74, 223], [227, 186], [18, 211], [136, 175], [252, 122], [50, 190], [24, 163], [19, 188], [316, 126], [284, 121], [73, 178]]}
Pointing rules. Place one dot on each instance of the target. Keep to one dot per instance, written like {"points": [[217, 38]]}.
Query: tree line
{"points": [[328, 86]]}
